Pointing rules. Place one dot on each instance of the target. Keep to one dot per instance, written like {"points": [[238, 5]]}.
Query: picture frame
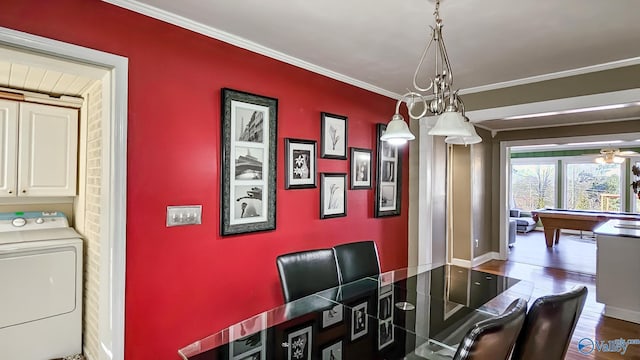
{"points": [[360, 168], [388, 179], [300, 163], [385, 333], [248, 162], [333, 136], [359, 321], [252, 346], [333, 195], [332, 351], [300, 343], [332, 316], [385, 315]]}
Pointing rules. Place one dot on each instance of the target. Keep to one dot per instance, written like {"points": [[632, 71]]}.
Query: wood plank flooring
{"points": [[591, 324]]}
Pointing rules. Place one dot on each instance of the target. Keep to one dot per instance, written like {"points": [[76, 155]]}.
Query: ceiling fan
{"points": [[613, 156]]}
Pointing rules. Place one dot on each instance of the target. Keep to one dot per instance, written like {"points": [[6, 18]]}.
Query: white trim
{"points": [[460, 262], [622, 314], [552, 76], [491, 255], [243, 43], [117, 169], [577, 102]]}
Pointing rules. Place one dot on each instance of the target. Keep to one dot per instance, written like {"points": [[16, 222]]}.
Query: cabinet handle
{"points": [[10, 191], [24, 191]]}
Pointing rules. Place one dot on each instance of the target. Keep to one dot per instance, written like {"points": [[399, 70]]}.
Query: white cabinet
{"points": [[38, 149]]}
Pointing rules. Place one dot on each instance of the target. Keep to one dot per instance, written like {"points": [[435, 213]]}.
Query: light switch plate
{"points": [[184, 215]]}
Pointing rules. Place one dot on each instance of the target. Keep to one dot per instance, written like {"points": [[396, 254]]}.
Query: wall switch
{"points": [[184, 215], [477, 243]]}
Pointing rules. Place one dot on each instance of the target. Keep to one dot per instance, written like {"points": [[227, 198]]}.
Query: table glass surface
{"points": [[411, 313]]}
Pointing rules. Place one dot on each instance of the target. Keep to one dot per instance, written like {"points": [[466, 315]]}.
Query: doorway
{"points": [[113, 91]]}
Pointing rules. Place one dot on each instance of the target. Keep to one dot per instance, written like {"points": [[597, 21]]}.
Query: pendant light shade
{"points": [[451, 123], [397, 132], [465, 140]]}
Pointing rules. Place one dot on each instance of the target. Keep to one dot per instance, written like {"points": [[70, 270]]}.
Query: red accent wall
{"points": [[184, 283]]}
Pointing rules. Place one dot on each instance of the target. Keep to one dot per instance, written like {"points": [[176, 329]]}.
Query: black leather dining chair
{"points": [[357, 260], [493, 339], [549, 325], [306, 272]]}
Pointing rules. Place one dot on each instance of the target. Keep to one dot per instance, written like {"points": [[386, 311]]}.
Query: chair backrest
{"points": [[493, 339], [549, 325], [307, 272], [357, 260]]}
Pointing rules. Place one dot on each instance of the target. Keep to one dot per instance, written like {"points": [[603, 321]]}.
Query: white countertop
{"points": [[625, 228]]}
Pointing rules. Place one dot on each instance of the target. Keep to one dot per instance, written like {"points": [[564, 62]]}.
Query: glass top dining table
{"points": [[410, 313]]}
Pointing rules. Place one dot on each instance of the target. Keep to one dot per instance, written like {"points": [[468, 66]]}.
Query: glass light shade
{"points": [[609, 160], [397, 131], [451, 123], [465, 140]]}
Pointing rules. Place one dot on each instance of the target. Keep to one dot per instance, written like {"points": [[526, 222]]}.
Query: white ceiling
{"points": [[376, 44]]}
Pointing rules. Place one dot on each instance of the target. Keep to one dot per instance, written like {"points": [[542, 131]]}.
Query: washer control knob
{"points": [[19, 222], [39, 220]]}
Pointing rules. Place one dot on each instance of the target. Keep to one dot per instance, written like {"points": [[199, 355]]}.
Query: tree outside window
{"points": [[593, 186], [533, 186]]}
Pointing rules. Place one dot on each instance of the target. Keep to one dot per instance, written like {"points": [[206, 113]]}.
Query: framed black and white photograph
{"points": [[299, 344], [248, 166], [333, 195], [333, 136], [332, 316], [360, 168], [300, 163], [359, 321], [385, 305], [252, 346], [332, 351], [388, 182], [385, 333]]}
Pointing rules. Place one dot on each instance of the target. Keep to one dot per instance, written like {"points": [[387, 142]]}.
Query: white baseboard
{"points": [[460, 262], [492, 255], [622, 314]]}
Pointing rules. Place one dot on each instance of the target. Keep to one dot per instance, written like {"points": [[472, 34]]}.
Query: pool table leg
{"points": [[549, 235], [557, 235]]}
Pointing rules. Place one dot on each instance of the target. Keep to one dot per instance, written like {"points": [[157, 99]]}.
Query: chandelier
{"points": [[611, 156], [437, 97]]}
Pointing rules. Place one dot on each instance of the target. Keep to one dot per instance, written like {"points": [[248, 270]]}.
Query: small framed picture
{"points": [[333, 195], [299, 344], [360, 168], [332, 316], [359, 321], [388, 182], [249, 347], [385, 333], [385, 305], [300, 163], [333, 351], [333, 136]]}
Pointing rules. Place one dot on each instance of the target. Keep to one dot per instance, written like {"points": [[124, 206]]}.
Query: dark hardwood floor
{"points": [[591, 323]]}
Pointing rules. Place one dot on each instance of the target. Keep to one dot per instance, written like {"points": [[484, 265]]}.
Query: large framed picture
{"points": [[333, 136], [360, 168], [300, 163], [248, 166], [388, 182], [299, 343], [333, 195]]}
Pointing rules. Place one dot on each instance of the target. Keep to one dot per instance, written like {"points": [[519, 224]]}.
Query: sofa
{"points": [[524, 224]]}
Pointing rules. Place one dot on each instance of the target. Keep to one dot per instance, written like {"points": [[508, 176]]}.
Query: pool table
{"points": [[555, 219]]}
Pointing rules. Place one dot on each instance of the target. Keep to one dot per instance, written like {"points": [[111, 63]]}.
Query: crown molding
{"points": [[553, 76], [243, 43]]}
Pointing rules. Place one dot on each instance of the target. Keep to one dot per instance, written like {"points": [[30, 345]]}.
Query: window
{"points": [[533, 186], [635, 201], [591, 186]]}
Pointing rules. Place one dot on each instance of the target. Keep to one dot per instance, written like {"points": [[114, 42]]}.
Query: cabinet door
{"points": [[48, 148], [8, 147]]}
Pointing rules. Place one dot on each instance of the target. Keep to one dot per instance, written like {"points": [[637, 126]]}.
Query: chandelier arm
{"points": [[413, 94], [445, 57], [415, 75]]}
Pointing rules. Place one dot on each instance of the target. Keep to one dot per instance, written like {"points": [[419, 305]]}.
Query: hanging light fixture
{"points": [[444, 101], [609, 156]]}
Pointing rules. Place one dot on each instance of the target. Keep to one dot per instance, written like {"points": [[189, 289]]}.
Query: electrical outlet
{"points": [[184, 215]]}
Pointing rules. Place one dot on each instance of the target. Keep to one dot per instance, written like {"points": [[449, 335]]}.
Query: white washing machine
{"points": [[40, 286]]}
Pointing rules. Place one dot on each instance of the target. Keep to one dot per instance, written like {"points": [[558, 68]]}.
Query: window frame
{"points": [[535, 161], [586, 159]]}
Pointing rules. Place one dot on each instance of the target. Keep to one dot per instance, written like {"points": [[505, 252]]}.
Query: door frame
{"points": [[114, 177]]}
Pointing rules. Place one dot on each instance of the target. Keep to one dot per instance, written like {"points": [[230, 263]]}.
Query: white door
{"points": [[8, 147], [48, 149]]}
